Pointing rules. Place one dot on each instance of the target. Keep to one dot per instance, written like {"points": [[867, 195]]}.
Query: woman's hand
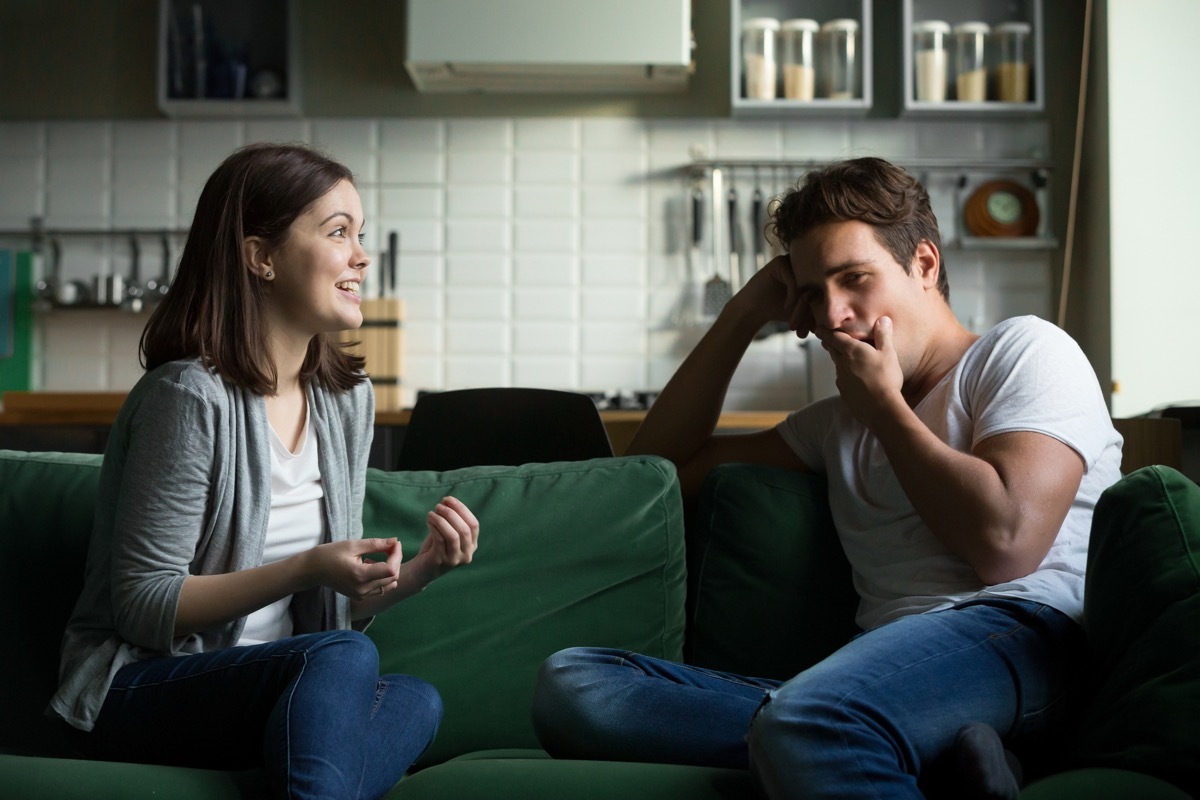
{"points": [[451, 542], [342, 566]]}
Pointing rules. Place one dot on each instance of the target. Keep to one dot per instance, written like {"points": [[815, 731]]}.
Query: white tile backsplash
{"points": [[532, 270], [545, 338], [547, 372], [537, 252], [544, 304], [467, 200], [478, 236], [479, 134], [416, 202], [467, 304], [277, 131], [538, 135], [411, 165], [406, 135], [546, 167], [548, 236], [491, 269], [479, 166]]}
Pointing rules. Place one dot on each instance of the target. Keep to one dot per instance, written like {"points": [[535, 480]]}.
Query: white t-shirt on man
{"points": [[1025, 374]]}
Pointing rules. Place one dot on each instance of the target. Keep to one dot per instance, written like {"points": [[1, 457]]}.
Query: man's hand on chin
{"points": [[867, 367]]}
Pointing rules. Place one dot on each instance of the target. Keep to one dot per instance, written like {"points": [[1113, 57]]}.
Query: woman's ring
{"points": [[381, 590]]}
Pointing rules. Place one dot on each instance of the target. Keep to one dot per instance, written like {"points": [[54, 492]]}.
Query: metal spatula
{"points": [[717, 290]]}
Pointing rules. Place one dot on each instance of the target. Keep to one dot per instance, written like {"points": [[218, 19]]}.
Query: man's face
{"points": [[846, 280]]}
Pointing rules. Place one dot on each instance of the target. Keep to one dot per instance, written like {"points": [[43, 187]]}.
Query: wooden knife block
{"points": [[380, 341]]}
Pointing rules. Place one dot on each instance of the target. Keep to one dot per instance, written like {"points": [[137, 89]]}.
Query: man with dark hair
{"points": [[962, 473]]}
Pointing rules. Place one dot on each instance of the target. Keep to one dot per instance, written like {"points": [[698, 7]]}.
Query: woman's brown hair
{"points": [[215, 309], [868, 190]]}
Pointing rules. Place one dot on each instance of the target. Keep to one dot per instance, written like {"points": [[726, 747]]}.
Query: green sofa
{"points": [[596, 553]]}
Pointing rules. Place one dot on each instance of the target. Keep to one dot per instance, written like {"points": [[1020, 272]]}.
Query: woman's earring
{"points": [[269, 275]]}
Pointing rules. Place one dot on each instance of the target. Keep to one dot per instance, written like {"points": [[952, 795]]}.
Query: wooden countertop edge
{"points": [[100, 408]]}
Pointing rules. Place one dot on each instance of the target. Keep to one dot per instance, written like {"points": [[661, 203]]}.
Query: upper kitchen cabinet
{"points": [[800, 57], [973, 57], [228, 58]]}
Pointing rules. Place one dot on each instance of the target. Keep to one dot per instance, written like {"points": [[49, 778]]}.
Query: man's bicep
{"points": [[1042, 474]]}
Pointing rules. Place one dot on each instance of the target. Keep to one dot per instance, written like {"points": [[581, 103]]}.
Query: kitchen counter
{"points": [[100, 408]]}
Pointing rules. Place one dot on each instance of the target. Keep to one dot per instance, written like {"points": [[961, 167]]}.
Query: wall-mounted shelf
{"points": [[993, 13], [126, 293], [965, 175], [822, 11], [228, 58]]}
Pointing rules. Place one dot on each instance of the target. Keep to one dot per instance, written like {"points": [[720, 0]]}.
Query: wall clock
{"points": [[1001, 208]]}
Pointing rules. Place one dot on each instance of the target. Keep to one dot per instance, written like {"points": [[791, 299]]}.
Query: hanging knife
{"points": [[735, 277]]}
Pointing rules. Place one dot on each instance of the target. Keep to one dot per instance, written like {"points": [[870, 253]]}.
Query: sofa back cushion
{"points": [[770, 591], [1142, 613], [571, 553], [46, 502]]}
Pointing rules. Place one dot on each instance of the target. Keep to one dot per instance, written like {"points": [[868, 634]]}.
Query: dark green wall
{"points": [[66, 59]]}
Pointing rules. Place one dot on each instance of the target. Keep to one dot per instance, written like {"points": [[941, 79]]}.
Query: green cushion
{"points": [[573, 553], [1142, 611], [45, 522], [528, 778], [1102, 784], [57, 778], [770, 590]]}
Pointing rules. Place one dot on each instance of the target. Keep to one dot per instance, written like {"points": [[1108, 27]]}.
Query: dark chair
{"points": [[506, 426]]}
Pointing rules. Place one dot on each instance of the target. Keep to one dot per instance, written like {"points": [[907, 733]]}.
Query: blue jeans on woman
{"points": [[863, 723], [312, 709]]}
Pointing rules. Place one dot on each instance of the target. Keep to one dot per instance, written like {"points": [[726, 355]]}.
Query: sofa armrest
{"points": [[770, 591], [1142, 615]]}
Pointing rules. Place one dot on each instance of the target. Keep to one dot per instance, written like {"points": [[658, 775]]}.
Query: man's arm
{"points": [[998, 508], [680, 425]]}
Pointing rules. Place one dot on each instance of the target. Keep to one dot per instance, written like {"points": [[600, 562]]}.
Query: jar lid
{"points": [[931, 26], [1014, 27], [972, 27], [761, 23], [840, 25], [801, 24]]}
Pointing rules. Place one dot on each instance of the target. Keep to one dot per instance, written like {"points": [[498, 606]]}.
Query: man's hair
{"points": [[216, 308], [868, 190]]}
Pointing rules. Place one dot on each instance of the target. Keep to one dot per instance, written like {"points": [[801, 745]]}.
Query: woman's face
{"points": [[320, 267]]}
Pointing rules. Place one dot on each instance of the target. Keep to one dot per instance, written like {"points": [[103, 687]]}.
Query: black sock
{"points": [[986, 770]]}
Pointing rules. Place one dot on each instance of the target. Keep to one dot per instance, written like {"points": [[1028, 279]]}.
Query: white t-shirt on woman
{"points": [[296, 524]]}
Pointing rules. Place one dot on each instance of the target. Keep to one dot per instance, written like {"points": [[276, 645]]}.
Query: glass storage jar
{"points": [[840, 65], [799, 60], [1012, 61], [970, 61], [931, 60], [759, 67]]}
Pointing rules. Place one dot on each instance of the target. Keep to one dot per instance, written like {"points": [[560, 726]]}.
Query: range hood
{"points": [[565, 46]]}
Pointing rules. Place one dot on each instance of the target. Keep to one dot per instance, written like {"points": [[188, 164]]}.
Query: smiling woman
{"points": [[227, 558]]}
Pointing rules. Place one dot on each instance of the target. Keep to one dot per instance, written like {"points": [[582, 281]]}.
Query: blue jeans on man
{"points": [[865, 722]]}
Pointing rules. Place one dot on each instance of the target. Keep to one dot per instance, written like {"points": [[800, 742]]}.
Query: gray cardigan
{"points": [[185, 488]]}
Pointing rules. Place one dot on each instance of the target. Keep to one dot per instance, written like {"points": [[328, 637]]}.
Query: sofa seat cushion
{"points": [[1102, 784], [570, 553], [533, 775], [770, 592], [1142, 613], [32, 778]]}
